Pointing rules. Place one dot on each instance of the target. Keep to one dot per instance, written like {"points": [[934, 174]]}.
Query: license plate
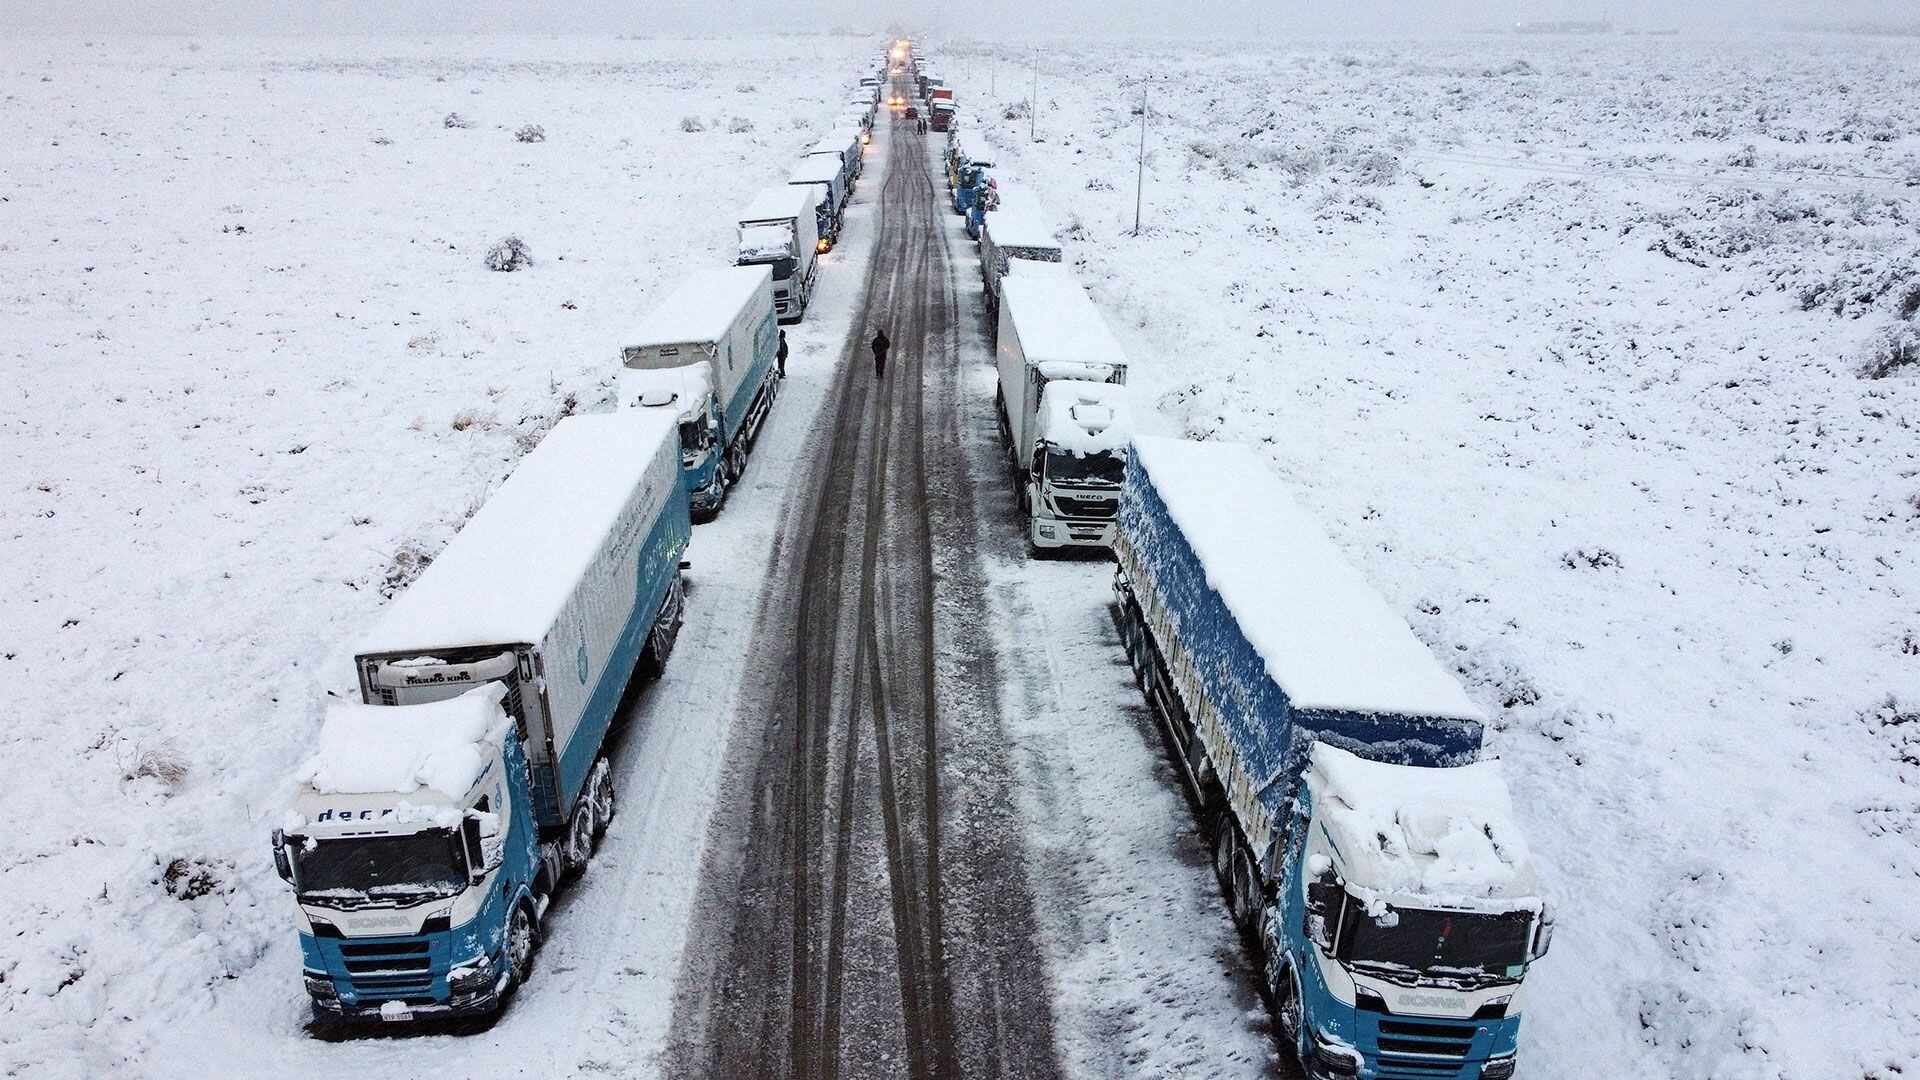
{"points": [[396, 1011]]}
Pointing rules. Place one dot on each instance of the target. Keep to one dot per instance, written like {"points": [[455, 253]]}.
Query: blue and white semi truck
{"points": [[827, 172], [842, 146], [438, 815], [1362, 843], [706, 355]]}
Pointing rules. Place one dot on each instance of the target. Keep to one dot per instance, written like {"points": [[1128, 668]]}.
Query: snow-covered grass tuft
{"points": [[510, 254], [1895, 349], [692, 123], [739, 125], [455, 120], [530, 133]]}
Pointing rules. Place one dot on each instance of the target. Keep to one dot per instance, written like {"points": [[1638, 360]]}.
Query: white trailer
{"points": [[780, 229], [841, 145], [720, 321], [1015, 230], [1064, 449]]}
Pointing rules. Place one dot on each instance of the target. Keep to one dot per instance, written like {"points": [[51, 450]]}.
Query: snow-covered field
{"points": [[1569, 342], [255, 371], [1573, 345]]}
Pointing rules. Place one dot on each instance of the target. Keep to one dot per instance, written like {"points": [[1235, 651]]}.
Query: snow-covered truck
{"points": [[1062, 408], [780, 229], [1013, 230], [1361, 841], [437, 816], [824, 170], [841, 146], [706, 355]]}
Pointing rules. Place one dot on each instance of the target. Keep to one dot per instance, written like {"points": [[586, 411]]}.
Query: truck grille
{"points": [[398, 969], [1088, 509], [1424, 1048]]}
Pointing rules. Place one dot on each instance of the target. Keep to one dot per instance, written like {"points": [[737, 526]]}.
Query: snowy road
{"points": [[865, 908]]}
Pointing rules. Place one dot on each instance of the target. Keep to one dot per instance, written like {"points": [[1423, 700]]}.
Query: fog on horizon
{"points": [[985, 19]]}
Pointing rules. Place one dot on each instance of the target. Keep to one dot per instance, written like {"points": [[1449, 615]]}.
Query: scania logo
{"points": [[387, 922], [1435, 1001]]}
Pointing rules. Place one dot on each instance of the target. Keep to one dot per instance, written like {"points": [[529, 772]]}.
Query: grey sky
{"points": [[1005, 19]]}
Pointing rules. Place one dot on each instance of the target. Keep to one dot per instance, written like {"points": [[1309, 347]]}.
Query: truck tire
{"points": [[522, 938], [1234, 869], [1286, 1006], [600, 797], [576, 848]]}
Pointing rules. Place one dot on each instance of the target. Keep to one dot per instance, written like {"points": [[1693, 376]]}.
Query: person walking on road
{"points": [[880, 346], [781, 356]]}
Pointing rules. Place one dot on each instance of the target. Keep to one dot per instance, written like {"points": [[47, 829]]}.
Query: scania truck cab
{"points": [[413, 854], [1405, 922]]}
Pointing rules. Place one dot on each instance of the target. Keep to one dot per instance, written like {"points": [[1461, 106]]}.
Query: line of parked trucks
{"points": [[1366, 849], [439, 814]]}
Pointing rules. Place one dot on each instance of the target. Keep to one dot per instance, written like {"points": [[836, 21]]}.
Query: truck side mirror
{"points": [[282, 861], [1542, 934], [485, 852]]}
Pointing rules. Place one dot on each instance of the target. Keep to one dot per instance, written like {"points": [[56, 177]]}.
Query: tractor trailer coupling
{"points": [[437, 815], [1365, 849]]}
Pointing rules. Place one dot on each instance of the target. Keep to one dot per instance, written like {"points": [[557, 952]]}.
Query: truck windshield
{"points": [[1089, 470], [695, 437], [1403, 944], [380, 871]]}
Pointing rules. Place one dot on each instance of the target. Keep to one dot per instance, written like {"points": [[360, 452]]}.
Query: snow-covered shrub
{"points": [[745, 88], [455, 120], [1099, 183], [1371, 166], [164, 764], [1596, 559], [508, 255], [1016, 111], [530, 133], [692, 123], [191, 879], [1897, 348], [1512, 67], [739, 125], [407, 564], [382, 140], [474, 418]]}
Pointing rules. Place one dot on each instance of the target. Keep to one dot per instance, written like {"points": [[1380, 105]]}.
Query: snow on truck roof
{"points": [[1410, 830], [441, 746], [1086, 417], [1056, 322], [687, 388], [767, 241], [701, 309], [780, 202], [814, 169], [1330, 641], [1018, 223], [506, 575]]}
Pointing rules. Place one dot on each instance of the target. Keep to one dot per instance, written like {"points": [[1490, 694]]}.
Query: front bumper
{"points": [[1051, 532]]}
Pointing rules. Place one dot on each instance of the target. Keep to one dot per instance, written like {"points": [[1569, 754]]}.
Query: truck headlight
{"points": [[320, 987], [1335, 1057], [471, 977], [1499, 1068]]}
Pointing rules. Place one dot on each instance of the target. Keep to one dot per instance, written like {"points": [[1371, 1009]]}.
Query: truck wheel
{"points": [[1225, 840], [600, 797], [577, 848], [1286, 1006], [520, 943]]}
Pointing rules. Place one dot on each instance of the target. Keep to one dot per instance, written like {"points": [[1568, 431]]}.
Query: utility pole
{"points": [[1033, 102], [1140, 178], [993, 72]]}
